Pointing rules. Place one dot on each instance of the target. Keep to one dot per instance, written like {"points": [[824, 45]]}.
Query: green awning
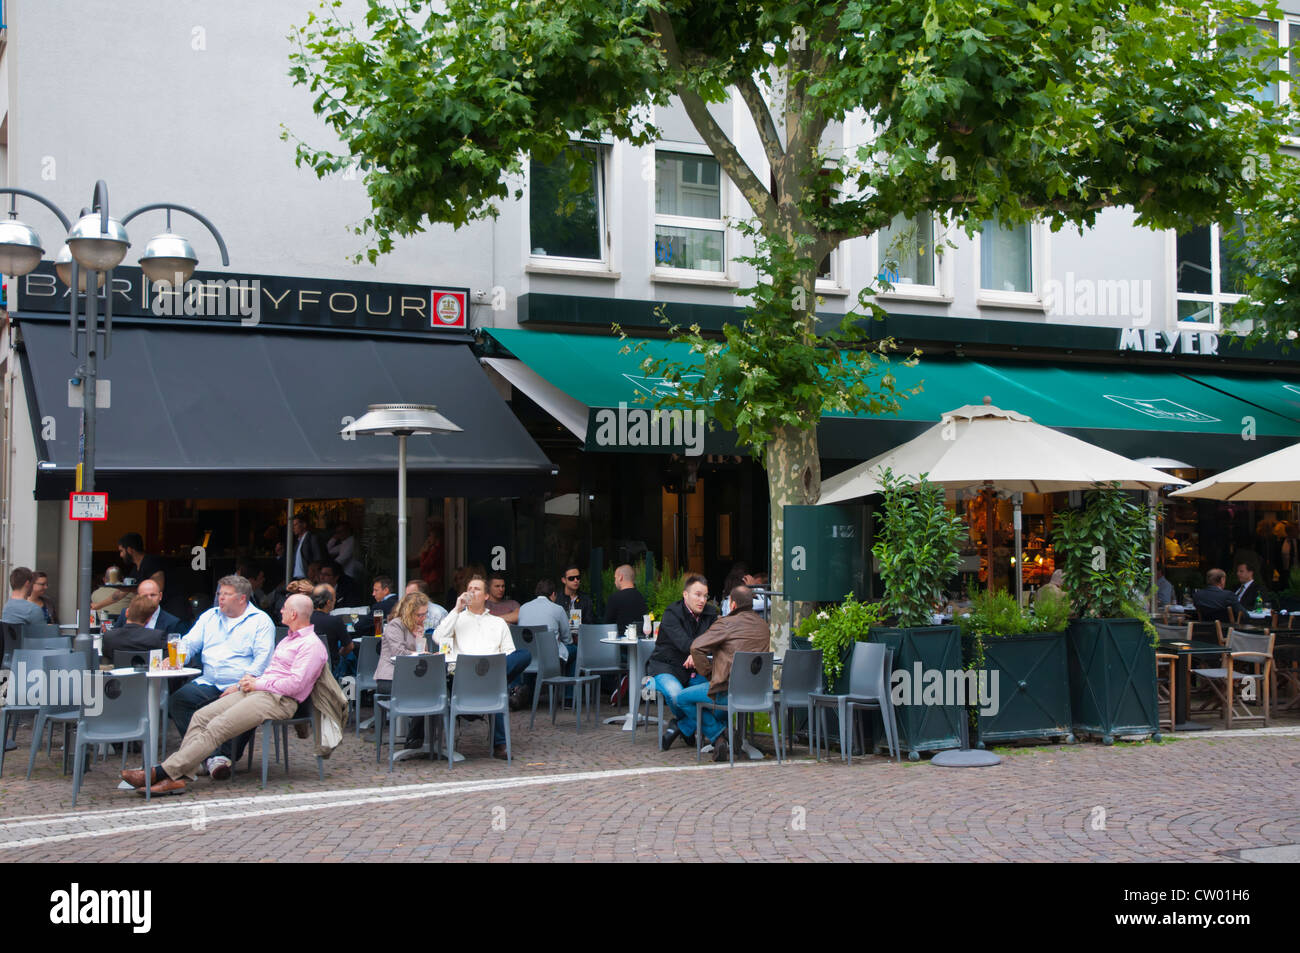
{"points": [[1273, 394], [1137, 413]]}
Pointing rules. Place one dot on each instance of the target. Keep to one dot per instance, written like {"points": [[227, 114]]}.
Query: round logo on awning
{"points": [[448, 309]]}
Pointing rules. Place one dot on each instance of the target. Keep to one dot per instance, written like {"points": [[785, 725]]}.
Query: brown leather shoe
{"points": [[167, 786], [134, 777], [499, 752]]}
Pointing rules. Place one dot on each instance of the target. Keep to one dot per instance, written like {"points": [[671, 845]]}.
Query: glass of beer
{"points": [[180, 655], [172, 645]]}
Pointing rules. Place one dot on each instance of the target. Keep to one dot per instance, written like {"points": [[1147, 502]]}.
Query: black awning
{"points": [[245, 413]]}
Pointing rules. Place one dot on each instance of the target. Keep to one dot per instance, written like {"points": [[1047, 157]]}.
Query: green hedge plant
{"points": [[918, 549], [835, 629]]}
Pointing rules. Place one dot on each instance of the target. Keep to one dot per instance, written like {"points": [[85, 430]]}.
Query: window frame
{"points": [[543, 263], [1039, 269], [940, 291], [719, 225], [1216, 299]]}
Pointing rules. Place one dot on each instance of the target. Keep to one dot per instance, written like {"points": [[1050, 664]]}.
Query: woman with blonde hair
{"points": [[403, 635]]}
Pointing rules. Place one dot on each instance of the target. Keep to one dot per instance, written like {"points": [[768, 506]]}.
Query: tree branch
{"points": [[736, 168], [758, 108]]}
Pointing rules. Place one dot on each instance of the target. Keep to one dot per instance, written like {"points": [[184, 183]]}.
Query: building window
{"points": [[1208, 275], [689, 231], [565, 221], [905, 253], [1006, 258], [1269, 34]]}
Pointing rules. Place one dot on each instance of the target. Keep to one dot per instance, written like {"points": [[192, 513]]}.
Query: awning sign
{"points": [[448, 309], [87, 506], [1163, 409]]}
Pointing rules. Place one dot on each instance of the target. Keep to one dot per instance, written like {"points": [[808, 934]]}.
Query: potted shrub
{"points": [[918, 552], [834, 629], [1027, 651], [1104, 551]]}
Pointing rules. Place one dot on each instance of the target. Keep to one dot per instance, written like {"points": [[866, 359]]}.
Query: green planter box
{"points": [[1112, 678], [1033, 688], [923, 727]]}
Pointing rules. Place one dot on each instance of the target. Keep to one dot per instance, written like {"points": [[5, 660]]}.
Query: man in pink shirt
{"points": [[288, 680]]}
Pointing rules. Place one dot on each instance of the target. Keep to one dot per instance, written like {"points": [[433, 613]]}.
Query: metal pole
{"points": [[1018, 564], [401, 514], [288, 546], [1151, 596], [86, 531]]}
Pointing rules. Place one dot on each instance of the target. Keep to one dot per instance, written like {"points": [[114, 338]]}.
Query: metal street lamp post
{"points": [[96, 244]]}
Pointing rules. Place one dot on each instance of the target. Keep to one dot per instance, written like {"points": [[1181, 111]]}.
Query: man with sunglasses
{"points": [[573, 599]]}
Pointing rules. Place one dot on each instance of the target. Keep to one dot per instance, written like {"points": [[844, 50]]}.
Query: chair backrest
{"points": [[750, 682], [38, 630], [480, 682], [130, 658], [9, 637], [125, 705], [63, 680], [86, 643], [868, 671], [24, 661], [368, 657], [418, 681], [801, 674], [546, 653], [523, 636], [281, 632], [1259, 642], [593, 653], [1172, 633], [44, 641], [1204, 632]]}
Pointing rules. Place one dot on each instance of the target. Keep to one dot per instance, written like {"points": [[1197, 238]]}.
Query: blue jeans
{"points": [[687, 698]]}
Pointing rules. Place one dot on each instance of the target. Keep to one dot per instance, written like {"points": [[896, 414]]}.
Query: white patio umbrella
{"points": [[1274, 476], [981, 445]]}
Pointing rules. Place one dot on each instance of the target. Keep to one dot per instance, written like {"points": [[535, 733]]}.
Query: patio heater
{"points": [[401, 421]]}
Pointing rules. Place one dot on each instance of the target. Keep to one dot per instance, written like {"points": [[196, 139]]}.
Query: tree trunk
{"points": [[794, 476]]}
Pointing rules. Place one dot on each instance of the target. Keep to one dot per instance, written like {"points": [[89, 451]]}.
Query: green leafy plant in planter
{"points": [[996, 615], [918, 548], [835, 629], [1104, 552]]}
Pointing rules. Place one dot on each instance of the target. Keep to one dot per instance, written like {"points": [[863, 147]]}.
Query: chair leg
{"points": [[148, 767], [392, 737], [505, 717], [284, 730], [846, 747], [379, 734], [537, 694], [266, 749], [577, 707], [699, 730], [38, 731], [776, 732], [731, 748], [451, 737], [78, 770]]}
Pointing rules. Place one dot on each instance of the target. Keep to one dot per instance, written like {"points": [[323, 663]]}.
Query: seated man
{"points": [[472, 630], [545, 611], [332, 575], [626, 605], [497, 603], [384, 597], [670, 663], [1213, 602], [286, 683], [742, 631], [161, 618], [332, 630], [135, 636], [1248, 593], [235, 640], [19, 610]]}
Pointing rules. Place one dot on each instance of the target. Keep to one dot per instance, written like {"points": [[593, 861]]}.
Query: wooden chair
{"points": [[1244, 649], [1286, 662], [1169, 694]]}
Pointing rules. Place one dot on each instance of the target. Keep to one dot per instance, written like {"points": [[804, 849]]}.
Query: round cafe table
{"points": [[634, 676], [155, 679]]}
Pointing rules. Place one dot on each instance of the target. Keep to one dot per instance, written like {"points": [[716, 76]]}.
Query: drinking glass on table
{"points": [[172, 645]]}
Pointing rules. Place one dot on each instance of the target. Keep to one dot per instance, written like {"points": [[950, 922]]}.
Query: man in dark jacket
{"points": [[1248, 589], [744, 630], [1214, 601], [670, 664], [331, 628], [134, 635]]}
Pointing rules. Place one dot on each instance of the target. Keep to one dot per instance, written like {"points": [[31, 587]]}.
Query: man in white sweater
{"points": [[470, 629]]}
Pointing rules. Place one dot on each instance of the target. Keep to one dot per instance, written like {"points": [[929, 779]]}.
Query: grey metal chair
{"points": [[55, 641], [419, 691], [367, 662], [869, 670], [749, 690], [596, 657], [138, 659], [479, 688], [305, 715], [86, 643], [59, 670], [38, 630], [801, 674], [22, 662], [281, 632], [124, 718], [546, 653], [11, 640], [523, 636], [644, 649]]}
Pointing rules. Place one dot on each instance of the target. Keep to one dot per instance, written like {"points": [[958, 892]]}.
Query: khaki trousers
{"points": [[226, 718]]}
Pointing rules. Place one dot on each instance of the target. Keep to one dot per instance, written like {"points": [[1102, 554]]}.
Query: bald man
{"points": [[161, 618], [287, 682]]}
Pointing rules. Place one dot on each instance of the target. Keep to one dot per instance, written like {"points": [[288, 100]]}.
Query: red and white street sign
{"points": [[87, 506], [448, 309]]}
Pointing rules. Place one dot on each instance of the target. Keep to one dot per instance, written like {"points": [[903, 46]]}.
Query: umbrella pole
{"points": [[990, 514], [401, 513], [288, 545], [1155, 541], [1016, 566]]}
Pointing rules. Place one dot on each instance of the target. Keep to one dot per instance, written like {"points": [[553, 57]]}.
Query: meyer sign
{"points": [[1168, 342], [87, 506]]}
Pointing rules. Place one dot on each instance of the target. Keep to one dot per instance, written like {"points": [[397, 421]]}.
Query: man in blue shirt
{"points": [[235, 639], [19, 610]]}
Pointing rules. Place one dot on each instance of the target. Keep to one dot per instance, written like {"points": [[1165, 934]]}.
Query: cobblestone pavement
{"points": [[597, 796]]}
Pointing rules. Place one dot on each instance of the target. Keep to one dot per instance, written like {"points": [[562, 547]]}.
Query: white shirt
{"points": [[471, 634]]}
